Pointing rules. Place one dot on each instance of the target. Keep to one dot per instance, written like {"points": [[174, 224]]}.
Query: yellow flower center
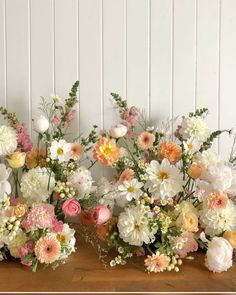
{"points": [[162, 175], [106, 150], [131, 189], [61, 238], [60, 151], [190, 146]]}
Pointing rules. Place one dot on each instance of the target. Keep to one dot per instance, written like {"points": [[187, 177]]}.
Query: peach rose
{"points": [[17, 160], [230, 236], [127, 174], [170, 151], [35, 157], [19, 211], [196, 170]]}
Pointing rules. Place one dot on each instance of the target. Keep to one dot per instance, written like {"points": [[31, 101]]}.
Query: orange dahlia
{"points": [[35, 157], [106, 152], [170, 151]]}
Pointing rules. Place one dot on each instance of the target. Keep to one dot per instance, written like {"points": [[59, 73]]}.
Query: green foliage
{"points": [[121, 103], [10, 117], [208, 143], [90, 139], [199, 113]]}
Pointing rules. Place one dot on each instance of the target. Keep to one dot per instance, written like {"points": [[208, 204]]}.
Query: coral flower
{"points": [[146, 140], [47, 249], [157, 262], [34, 158], [196, 170], [170, 151], [217, 201], [76, 151], [106, 152], [127, 174]]}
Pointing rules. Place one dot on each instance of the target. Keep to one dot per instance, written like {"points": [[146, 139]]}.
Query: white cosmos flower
{"points": [[131, 189], [194, 127], [60, 150], [8, 141], [191, 146], [165, 180], [134, 227]]}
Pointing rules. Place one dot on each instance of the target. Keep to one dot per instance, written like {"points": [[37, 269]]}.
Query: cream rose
{"points": [[17, 160], [219, 255], [188, 221]]}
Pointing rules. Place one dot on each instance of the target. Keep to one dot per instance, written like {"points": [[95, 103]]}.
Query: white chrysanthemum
{"points": [[134, 227], [34, 185], [194, 127], [216, 222], [130, 189], [60, 150], [67, 238], [207, 158], [8, 141], [82, 181], [15, 245], [165, 180]]}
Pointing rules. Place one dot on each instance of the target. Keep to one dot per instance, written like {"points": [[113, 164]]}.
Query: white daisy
{"points": [[60, 150], [165, 180], [191, 146], [131, 189]]}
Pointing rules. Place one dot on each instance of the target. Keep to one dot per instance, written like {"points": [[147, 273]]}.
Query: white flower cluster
{"points": [[8, 142]]}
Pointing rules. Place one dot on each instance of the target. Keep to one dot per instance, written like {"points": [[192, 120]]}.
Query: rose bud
{"points": [[101, 214], [40, 124], [118, 131], [71, 208]]}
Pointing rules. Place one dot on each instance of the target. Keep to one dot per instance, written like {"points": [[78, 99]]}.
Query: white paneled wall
{"points": [[166, 56]]}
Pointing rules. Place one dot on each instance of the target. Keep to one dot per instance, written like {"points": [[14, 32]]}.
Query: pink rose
{"points": [[14, 201], [30, 247], [71, 207], [101, 214], [23, 251]]}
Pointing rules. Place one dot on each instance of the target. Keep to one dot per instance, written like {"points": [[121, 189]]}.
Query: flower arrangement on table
{"points": [[41, 186], [172, 194]]}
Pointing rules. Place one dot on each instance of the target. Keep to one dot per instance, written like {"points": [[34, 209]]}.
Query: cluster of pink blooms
{"points": [[23, 138], [130, 119]]}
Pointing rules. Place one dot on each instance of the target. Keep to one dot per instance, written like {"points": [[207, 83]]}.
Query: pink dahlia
{"points": [[47, 249]]}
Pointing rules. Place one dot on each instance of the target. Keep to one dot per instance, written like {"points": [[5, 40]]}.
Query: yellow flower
{"points": [[17, 160]]}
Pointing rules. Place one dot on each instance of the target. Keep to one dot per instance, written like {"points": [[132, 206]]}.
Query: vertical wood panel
{"points": [[66, 51], [42, 52], [208, 60], [184, 56], [90, 61], [161, 60], [17, 39], [227, 97], [114, 67], [2, 57], [138, 53]]}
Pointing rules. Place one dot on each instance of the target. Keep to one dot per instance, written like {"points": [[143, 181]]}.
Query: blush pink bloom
{"points": [[57, 226], [47, 249], [217, 201], [23, 251], [56, 120], [26, 263], [70, 116], [25, 224], [71, 208], [190, 244], [101, 214], [23, 138], [14, 201], [139, 252], [30, 246]]}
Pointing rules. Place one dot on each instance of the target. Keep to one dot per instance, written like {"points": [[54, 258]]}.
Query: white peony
{"points": [[207, 158], [165, 180], [34, 185], [40, 124], [8, 140], [82, 181], [15, 245], [194, 128], [131, 189], [134, 227], [60, 150], [219, 255], [216, 222], [5, 187], [118, 131]]}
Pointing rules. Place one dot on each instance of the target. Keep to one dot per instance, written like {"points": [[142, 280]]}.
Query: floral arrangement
{"points": [[42, 185], [172, 194]]}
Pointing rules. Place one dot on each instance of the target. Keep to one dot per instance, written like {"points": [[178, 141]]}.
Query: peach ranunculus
{"points": [[188, 221], [146, 140], [127, 174], [76, 151], [230, 236], [19, 211], [217, 201], [170, 151], [196, 170], [106, 151], [17, 160], [35, 157]]}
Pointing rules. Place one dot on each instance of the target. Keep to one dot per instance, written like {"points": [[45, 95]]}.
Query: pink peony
{"points": [[71, 208], [101, 214]]}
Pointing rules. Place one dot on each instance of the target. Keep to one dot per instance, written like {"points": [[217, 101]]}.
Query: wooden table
{"points": [[84, 272]]}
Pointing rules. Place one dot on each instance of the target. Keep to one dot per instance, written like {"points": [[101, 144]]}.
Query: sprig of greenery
{"points": [[90, 139], [121, 103], [208, 143], [199, 113], [10, 117]]}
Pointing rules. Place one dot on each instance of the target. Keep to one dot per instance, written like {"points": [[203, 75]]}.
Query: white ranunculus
{"points": [[118, 131], [34, 185], [8, 140], [82, 181], [40, 124], [219, 255]]}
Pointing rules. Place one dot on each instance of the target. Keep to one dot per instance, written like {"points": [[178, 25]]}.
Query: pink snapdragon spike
{"points": [[70, 116], [101, 214], [23, 138], [56, 120]]}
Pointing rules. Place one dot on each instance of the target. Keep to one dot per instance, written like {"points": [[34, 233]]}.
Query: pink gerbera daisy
{"points": [[157, 262], [146, 140], [47, 249]]}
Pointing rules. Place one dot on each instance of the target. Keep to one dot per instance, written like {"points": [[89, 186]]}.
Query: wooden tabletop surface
{"points": [[84, 272]]}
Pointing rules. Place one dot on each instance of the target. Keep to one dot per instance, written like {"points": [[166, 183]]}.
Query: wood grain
{"points": [[84, 273]]}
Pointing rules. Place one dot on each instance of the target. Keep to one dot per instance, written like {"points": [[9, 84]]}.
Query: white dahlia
{"points": [[34, 185], [8, 141], [165, 180], [82, 181], [134, 227], [194, 127], [216, 222]]}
